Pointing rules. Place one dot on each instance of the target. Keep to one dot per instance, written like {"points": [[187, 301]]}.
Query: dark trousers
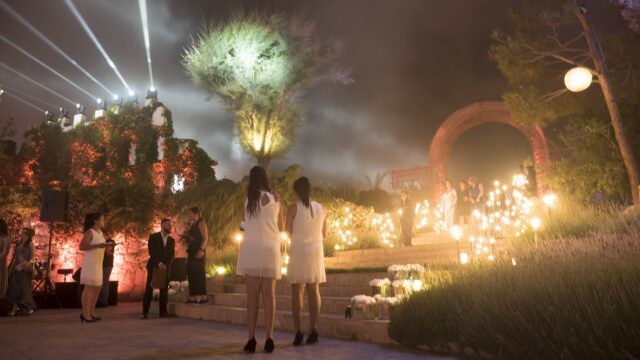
{"points": [[103, 299], [148, 296], [406, 231], [196, 276]]}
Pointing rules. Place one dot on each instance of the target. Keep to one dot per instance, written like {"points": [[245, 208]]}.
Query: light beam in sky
{"points": [[46, 40], [29, 96], [87, 29], [142, 4], [24, 101], [37, 83], [30, 56]]}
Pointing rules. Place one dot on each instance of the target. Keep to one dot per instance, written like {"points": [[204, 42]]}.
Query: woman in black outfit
{"points": [[197, 238]]}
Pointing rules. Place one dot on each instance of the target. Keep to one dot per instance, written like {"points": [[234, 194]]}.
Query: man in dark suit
{"points": [[161, 254]]}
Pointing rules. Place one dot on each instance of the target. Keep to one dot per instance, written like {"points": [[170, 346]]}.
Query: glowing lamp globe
{"points": [[578, 79]]}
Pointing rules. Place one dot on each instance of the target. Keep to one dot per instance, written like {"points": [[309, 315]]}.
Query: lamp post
{"points": [[549, 200], [456, 233], [536, 223]]}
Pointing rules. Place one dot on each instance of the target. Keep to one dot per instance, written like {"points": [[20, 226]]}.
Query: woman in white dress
{"points": [[449, 200], [93, 245], [307, 226], [259, 256]]}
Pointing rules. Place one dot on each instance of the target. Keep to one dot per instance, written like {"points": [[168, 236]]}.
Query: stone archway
{"points": [[474, 115]]}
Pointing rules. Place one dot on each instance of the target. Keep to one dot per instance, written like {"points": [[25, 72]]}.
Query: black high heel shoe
{"points": [[313, 337], [83, 319], [298, 339], [251, 346], [269, 346], [96, 318]]}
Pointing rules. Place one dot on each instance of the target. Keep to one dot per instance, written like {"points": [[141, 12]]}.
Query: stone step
{"points": [[329, 304], [329, 325], [422, 249], [325, 291]]}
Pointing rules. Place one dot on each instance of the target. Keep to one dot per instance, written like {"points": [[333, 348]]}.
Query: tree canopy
{"points": [[260, 65]]}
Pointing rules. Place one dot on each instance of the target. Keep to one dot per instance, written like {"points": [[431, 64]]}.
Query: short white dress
{"points": [[306, 255], [259, 253], [91, 273]]}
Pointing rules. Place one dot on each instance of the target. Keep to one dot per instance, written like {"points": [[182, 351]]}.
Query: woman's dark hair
{"points": [[90, 220], [258, 182], [302, 188], [4, 229], [195, 210]]}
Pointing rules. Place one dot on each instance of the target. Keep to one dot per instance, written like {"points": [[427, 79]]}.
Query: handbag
{"points": [[159, 278]]}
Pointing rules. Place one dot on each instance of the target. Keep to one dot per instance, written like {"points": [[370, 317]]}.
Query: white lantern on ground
{"points": [[578, 79]]}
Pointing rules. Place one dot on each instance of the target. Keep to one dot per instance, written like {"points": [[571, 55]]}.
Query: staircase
{"points": [[428, 248], [227, 304]]}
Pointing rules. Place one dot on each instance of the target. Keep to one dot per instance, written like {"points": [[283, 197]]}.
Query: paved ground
{"points": [[58, 334]]}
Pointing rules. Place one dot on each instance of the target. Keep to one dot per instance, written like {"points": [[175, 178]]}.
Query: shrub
{"points": [[227, 258], [571, 299]]}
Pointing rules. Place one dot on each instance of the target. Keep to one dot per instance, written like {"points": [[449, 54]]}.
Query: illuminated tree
{"points": [[259, 65]]}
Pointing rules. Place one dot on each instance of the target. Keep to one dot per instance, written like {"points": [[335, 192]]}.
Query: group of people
{"points": [[259, 260], [461, 202]]}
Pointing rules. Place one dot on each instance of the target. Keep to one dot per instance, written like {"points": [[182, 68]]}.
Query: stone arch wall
{"points": [[474, 115]]}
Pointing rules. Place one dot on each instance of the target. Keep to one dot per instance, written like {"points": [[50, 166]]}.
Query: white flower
{"points": [[363, 300], [379, 282]]}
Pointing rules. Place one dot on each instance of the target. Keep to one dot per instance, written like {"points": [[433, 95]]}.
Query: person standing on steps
{"points": [[197, 238], [307, 227], [448, 202], [161, 254], [259, 256], [93, 245], [406, 218]]}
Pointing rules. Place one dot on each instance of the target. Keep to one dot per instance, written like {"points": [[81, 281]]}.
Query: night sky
{"points": [[414, 62]]}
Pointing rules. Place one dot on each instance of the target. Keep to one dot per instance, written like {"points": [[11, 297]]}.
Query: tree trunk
{"points": [[263, 157], [626, 150], [263, 161]]}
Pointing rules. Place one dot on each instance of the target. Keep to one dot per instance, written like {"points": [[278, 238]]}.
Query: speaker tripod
{"points": [[48, 289]]}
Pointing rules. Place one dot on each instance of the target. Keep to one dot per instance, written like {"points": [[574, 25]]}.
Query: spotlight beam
{"points": [[27, 54], [142, 4], [24, 101], [87, 29], [24, 94], [36, 83], [46, 40]]}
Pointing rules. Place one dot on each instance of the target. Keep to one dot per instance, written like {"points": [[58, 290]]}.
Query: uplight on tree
{"points": [[578, 79]]}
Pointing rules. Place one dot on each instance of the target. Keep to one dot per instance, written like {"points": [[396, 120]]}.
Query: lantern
{"points": [[578, 79]]}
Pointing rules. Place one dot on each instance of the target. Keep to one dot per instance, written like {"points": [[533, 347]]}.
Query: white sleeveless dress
{"points": [[306, 255], [91, 273], [259, 253]]}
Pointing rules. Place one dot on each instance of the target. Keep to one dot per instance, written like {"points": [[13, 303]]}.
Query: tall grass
{"points": [[571, 298]]}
